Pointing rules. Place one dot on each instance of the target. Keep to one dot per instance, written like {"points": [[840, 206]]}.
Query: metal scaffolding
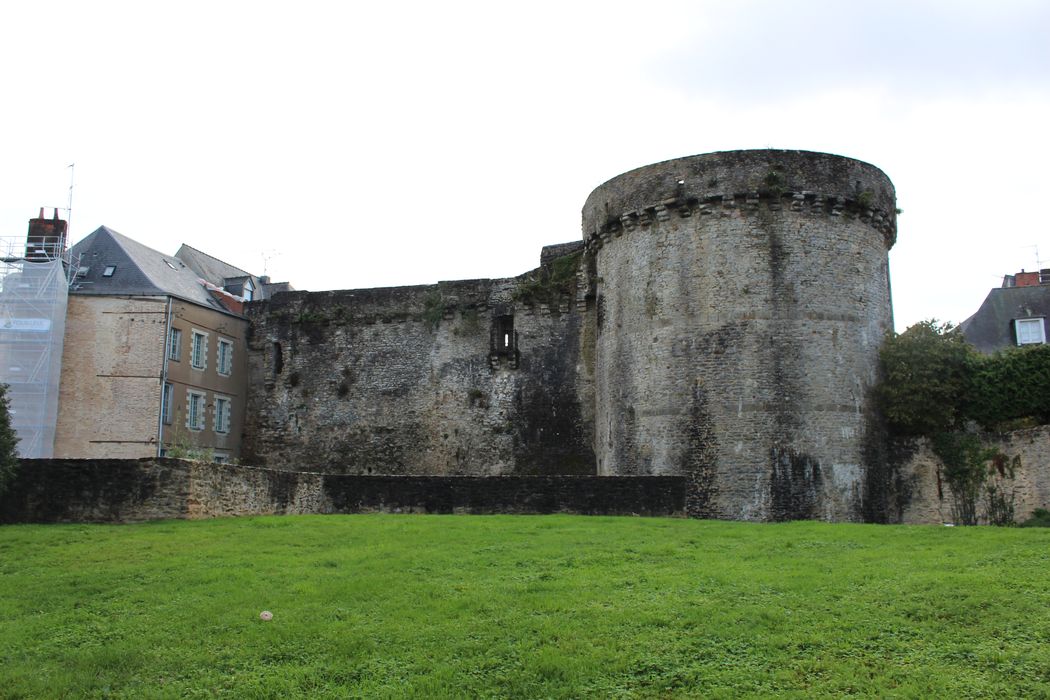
{"points": [[34, 284]]}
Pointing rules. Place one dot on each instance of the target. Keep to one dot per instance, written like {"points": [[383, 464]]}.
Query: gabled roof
{"points": [[222, 274], [208, 267], [137, 270], [991, 328]]}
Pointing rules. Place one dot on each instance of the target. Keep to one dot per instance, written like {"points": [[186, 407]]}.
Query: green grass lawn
{"points": [[526, 606]]}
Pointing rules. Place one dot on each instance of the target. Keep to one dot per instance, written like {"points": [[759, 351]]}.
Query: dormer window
{"points": [[248, 290], [1030, 331]]}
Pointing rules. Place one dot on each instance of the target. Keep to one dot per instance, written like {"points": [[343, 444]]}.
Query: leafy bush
{"points": [[1040, 518], [8, 443], [925, 372], [970, 468]]}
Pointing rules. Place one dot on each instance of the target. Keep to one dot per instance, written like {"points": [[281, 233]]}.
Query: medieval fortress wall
{"points": [[412, 380], [720, 321]]}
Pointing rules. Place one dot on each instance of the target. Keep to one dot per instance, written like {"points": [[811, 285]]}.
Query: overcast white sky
{"points": [[339, 145]]}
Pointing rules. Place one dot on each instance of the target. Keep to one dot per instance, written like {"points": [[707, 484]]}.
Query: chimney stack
{"points": [[46, 240]]}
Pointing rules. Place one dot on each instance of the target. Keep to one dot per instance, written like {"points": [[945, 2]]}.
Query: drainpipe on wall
{"points": [[164, 378]]}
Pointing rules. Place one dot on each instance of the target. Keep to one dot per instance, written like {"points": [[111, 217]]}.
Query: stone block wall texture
{"points": [[741, 301], [921, 497], [402, 381], [115, 490], [130, 490], [111, 367]]}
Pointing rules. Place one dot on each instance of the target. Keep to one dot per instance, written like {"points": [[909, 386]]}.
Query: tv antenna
{"points": [[1038, 261], [69, 206], [267, 256]]}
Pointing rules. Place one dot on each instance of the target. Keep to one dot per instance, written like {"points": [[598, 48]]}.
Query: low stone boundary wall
{"points": [[128, 490], [926, 499]]}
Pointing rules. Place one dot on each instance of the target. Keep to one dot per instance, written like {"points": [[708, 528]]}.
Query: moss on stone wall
{"points": [[550, 283]]}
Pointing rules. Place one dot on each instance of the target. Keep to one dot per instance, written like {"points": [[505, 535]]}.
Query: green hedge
{"points": [[933, 382]]}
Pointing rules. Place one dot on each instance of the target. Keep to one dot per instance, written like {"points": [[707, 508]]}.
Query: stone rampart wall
{"points": [[925, 498], [405, 381], [48, 491]]}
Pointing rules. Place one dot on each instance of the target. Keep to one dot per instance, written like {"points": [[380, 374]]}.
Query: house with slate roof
{"points": [[232, 279], [1012, 315], [154, 354]]}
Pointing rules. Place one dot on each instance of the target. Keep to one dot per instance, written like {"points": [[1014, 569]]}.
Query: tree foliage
{"points": [[925, 374], [8, 442], [934, 382]]}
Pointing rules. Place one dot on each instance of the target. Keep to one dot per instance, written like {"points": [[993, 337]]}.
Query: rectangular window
{"points": [[225, 357], [165, 403], [199, 350], [222, 414], [195, 410], [175, 344], [1030, 331]]}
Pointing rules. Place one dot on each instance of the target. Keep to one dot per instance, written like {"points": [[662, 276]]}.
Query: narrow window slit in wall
{"points": [[278, 359], [503, 343]]}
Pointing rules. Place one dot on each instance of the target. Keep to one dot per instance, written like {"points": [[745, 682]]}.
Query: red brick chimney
{"points": [[46, 239]]}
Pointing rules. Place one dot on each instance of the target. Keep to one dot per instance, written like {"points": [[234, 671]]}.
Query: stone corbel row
{"points": [[727, 205]]}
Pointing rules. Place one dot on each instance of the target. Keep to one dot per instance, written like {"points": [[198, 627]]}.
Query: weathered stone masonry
{"points": [[129, 490], [420, 380], [742, 298], [719, 321]]}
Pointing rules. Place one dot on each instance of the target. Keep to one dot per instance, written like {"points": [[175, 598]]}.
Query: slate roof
{"points": [[991, 328], [222, 274], [210, 268], [138, 270]]}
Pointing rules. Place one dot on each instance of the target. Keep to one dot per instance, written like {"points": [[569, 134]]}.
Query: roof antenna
{"points": [[1038, 261], [267, 255], [69, 207]]}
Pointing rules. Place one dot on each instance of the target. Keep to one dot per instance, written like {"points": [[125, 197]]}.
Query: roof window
{"points": [[110, 269]]}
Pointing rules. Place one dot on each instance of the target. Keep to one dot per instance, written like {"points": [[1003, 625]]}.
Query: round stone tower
{"points": [[741, 298]]}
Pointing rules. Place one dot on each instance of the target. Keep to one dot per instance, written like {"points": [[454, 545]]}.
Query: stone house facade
{"points": [[154, 357]]}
